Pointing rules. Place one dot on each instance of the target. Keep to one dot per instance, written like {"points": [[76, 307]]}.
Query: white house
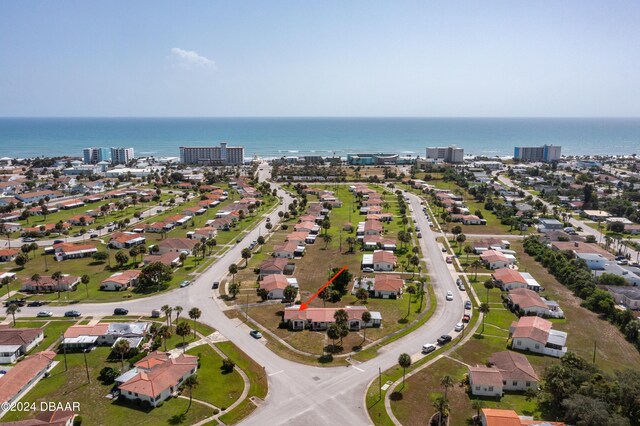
{"points": [[120, 280], [384, 260], [15, 342], [275, 285], [534, 334]]}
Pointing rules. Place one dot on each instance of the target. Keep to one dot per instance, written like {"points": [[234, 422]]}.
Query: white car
{"points": [[459, 326], [449, 295], [45, 314]]}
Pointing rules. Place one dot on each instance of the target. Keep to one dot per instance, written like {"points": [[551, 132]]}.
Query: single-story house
{"points": [[387, 286], [64, 251], [508, 279], [120, 280], [531, 303], [498, 417], [496, 259], [626, 296], [8, 255], [287, 250], [579, 247], [321, 318], [276, 266], [490, 244], [507, 371], [384, 260], [176, 245], [221, 224], [82, 219], [157, 377], [46, 284], [275, 285], [171, 259], [373, 227], [194, 211], [205, 232], [24, 375], [535, 334], [16, 342], [124, 240]]}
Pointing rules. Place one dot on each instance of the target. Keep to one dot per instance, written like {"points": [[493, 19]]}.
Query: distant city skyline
{"points": [[320, 59]]}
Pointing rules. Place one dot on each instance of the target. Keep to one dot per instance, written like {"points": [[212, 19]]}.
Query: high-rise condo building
{"points": [[96, 155], [546, 153], [222, 155], [121, 155], [449, 154]]}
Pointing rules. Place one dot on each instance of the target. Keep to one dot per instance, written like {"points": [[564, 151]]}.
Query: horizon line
{"points": [[479, 117]]}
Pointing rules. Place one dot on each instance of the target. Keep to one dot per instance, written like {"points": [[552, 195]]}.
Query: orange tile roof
{"points": [[388, 282], [274, 281], [161, 376], [496, 417], [22, 373], [506, 275], [534, 328], [86, 330]]}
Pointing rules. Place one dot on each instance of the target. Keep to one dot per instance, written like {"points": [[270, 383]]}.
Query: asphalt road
{"points": [[301, 394]]}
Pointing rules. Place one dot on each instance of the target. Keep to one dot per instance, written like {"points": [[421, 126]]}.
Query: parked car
{"points": [[466, 318], [428, 348], [461, 286], [255, 334], [444, 339], [77, 234], [419, 234], [156, 313], [467, 304], [238, 240], [19, 302], [449, 295], [28, 240], [444, 249], [367, 269], [459, 326], [268, 219], [120, 311], [449, 259], [216, 284], [72, 314], [185, 283], [35, 303], [44, 314], [57, 242], [93, 236], [417, 229]]}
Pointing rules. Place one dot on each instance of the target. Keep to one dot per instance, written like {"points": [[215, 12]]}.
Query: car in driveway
{"points": [[459, 326], [428, 348], [185, 283], [467, 304], [45, 314], [72, 314], [120, 311], [255, 334], [215, 285], [449, 295], [35, 303], [444, 339], [367, 269]]}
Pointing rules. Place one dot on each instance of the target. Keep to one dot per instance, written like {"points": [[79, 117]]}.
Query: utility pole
{"points": [[380, 383], [595, 346], [64, 348], [247, 310], [86, 366]]}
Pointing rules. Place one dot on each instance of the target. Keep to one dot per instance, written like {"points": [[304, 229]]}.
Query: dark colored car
{"points": [[466, 318], [35, 303], [18, 302], [93, 236], [216, 284], [58, 241], [72, 314], [120, 311], [467, 304], [444, 339]]}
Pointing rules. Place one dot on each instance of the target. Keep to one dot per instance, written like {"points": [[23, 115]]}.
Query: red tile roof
{"points": [[22, 373]]}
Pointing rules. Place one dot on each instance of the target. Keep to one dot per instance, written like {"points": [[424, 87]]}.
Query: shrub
{"points": [[227, 365], [215, 411], [77, 421], [108, 375]]}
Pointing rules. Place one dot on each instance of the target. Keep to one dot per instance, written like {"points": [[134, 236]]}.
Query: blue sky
{"points": [[324, 58]]}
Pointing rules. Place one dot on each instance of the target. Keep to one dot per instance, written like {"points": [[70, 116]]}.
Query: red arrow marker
{"points": [[305, 305]]}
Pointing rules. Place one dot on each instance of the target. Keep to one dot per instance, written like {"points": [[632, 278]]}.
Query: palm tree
{"points": [[476, 264], [484, 310], [233, 270], [468, 250], [327, 239], [57, 276], [476, 404], [85, 280], [191, 383], [178, 310], [411, 290], [165, 333], [165, 310], [488, 284], [446, 381], [121, 348], [404, 360], [11, 310], [246, 254], [183, 330], [441, 404], [194, 314], [366, 317]]}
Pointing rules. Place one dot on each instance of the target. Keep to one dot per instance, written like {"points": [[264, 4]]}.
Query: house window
{"points": [[537, 346], [528, 384], [515, 383], [135, 394], [490, 388], [518, 343], [477, 387]]}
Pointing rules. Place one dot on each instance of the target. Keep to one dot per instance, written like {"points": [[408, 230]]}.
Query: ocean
{"points": [[276, 137]]}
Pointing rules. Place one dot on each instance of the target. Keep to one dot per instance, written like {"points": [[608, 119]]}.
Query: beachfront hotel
{"points": [[546, 153], [121, 155], [222, 155], [448, 154]]}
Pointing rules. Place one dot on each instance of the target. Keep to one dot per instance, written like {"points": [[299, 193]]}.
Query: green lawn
{"points": [[214, 387], [52, 330], [71, 385]]}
